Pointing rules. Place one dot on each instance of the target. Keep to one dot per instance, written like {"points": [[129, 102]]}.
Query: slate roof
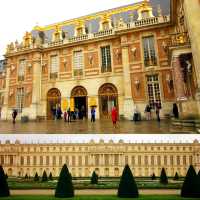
{"points": [[94, 23]]}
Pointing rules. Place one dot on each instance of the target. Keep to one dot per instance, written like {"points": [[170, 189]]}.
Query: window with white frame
{"points": [[106, 59], [149, 51], [153, 91], [20, 99], [78, 62], [54, 64], [21, 69]]}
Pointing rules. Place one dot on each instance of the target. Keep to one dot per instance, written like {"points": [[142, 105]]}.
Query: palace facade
{"points": [[143, 53], [107, 156]]}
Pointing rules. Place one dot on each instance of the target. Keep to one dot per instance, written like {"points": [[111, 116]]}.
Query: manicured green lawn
{"points": [[144, 197]]}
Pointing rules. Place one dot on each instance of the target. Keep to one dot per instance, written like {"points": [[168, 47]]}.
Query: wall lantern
{"points": [[137, 84], [169, 81]]}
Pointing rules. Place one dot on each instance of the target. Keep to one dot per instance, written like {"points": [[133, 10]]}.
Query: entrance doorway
{"points": [[108, 98], [79, 94], [53, 100]]}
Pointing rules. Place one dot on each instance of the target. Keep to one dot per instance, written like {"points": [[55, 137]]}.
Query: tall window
{"points": [[21, 70], [20, 99], [149, 51], [153, 91], [78, 63], [106, 59], [54, 66]]}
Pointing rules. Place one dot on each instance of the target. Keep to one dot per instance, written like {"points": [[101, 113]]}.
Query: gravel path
{"points": [[96, 192]]}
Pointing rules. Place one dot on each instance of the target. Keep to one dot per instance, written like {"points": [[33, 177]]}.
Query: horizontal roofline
{"points": [[87, 138]]}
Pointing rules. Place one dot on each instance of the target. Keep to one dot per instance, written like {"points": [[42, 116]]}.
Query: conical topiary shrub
{"points": [[4, 189], [153, 177], [190, 184], [26, 176], [44, 176], [127, 186], [64, 186], [50, 176], [36, 177], [176, 177], [163, 177], [94, 178]]}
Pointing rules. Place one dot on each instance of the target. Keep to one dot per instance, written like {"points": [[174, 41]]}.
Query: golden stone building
{"points": [[28, 154], [142, 53]]}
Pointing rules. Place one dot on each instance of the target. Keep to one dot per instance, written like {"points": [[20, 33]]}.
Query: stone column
{"points": [[178, 80], [192, 16], [128, 100], [5, 111], [36, 89]]}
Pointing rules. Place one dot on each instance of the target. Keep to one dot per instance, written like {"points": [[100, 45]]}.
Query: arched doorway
{"points": [[108, 97], [79, 96], [53, 99]]}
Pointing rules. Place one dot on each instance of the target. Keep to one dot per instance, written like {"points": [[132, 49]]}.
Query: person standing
{"points": [[93, 114], [148, 112], [65, 116], [114, 116], [158, 112], [175, 111], [69, 115], [14, 115]]}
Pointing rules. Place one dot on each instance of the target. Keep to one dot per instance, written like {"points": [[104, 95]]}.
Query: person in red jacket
{"points": [[114, 116]]}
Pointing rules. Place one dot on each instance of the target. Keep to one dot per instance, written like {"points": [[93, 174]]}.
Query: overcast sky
{"points": [[18, 16]]}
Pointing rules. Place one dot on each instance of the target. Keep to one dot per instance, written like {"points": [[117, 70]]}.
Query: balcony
{"points": [[178, 39], [20, 78], [53, 75], [78, 72], [113, 31]]}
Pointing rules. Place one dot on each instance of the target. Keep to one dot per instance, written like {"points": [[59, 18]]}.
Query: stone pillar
{"points": [[5, 111], [36, 89], [192, 16], [128, 100], [178, 80]]}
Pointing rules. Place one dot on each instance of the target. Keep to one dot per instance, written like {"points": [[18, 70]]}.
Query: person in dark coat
{"points": [[158, 112], [69, 115], [14, 115], [175, 111], [93, 114]]}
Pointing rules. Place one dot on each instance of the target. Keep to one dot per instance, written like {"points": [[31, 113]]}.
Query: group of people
{"points": [[80, 114], [68, 114]]}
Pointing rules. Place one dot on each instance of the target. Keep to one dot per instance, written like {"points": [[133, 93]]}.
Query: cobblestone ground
{"points": [[85, 126]]}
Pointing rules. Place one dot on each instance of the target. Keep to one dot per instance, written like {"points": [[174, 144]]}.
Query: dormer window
{"points": [[145, 14], [105, 25], [79, 31]]}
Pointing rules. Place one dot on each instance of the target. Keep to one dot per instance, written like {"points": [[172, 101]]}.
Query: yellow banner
{"points": [[64, 104], [92, 102], [72, 104]]}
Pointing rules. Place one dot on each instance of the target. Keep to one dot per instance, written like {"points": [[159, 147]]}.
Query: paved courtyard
{"points": [[85, 126]]}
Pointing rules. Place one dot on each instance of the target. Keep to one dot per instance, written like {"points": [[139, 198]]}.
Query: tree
{"points": [[36, 177], [94, 178], [190, 184], [153, 177], [176, 177], [64, 186], [127, 186], [4, 189], [44, 176], [163, 177], [50, 176]]}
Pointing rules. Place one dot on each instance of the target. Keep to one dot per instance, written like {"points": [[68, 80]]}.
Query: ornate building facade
{"points": [[107, 156], [144, 53]]}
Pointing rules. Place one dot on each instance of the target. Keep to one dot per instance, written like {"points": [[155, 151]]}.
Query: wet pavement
{"points": [[86, 127]]}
